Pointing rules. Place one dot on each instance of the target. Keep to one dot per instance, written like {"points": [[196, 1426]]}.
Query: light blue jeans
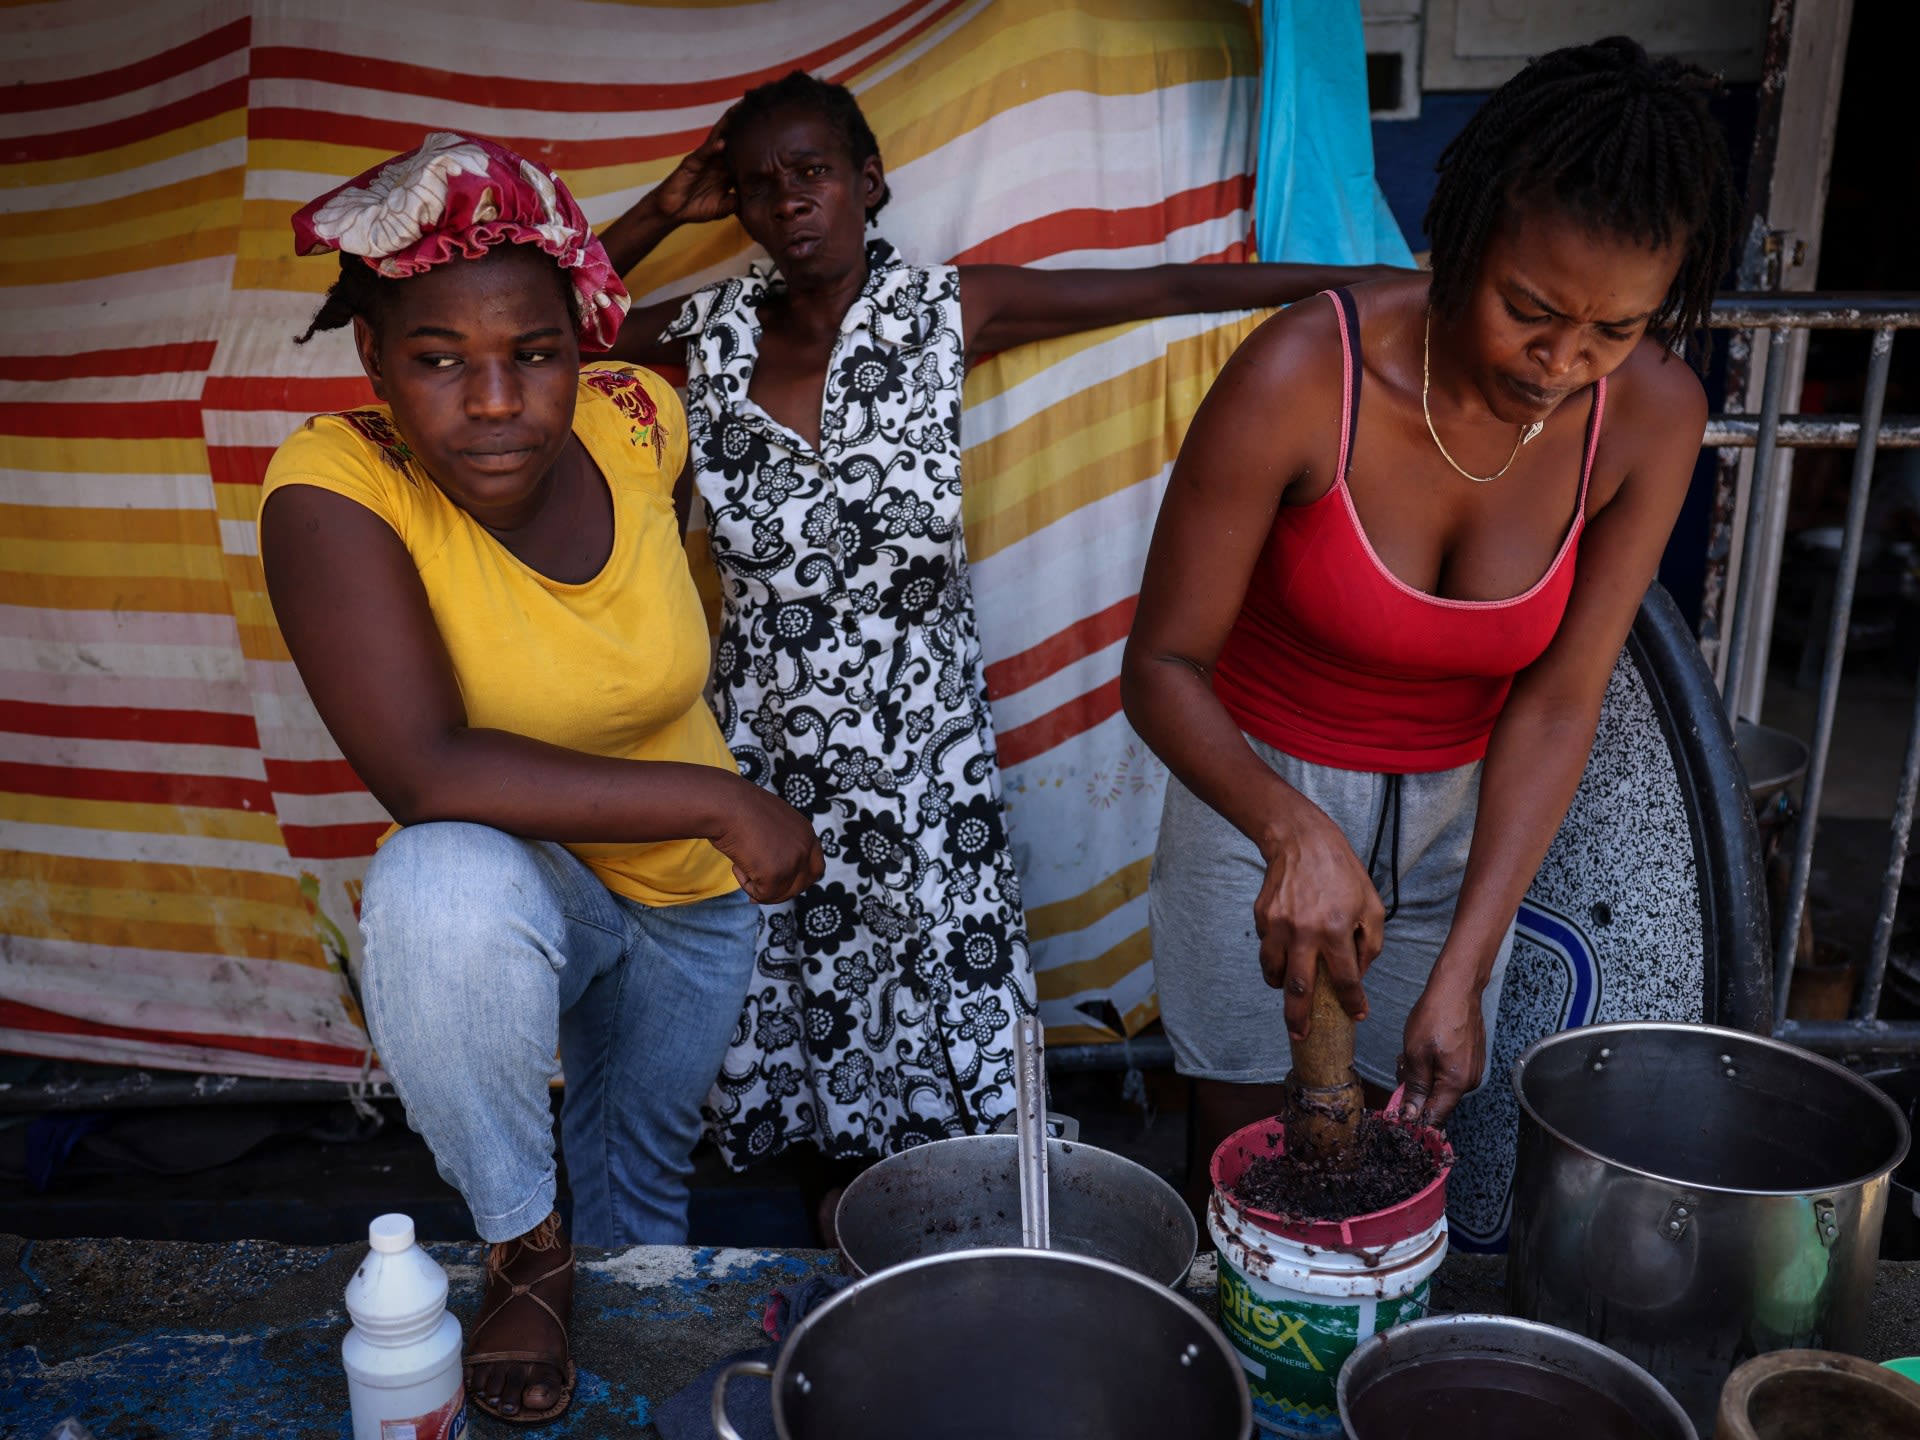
{"points": [[482, 951]]}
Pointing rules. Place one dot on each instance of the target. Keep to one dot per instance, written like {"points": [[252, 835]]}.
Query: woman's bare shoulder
{"points": [[1272, 414], [1656, 388], [1655, 418], [1304, 340], [1295, 347]]}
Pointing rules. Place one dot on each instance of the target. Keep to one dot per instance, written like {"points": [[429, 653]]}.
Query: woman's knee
{"points": [[449, 897]]}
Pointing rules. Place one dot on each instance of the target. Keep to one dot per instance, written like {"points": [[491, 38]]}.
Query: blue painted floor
{"points": [[156, 1341]]}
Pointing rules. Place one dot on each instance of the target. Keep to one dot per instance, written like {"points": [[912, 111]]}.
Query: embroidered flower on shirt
{"points": [[982, 959], [784, 1080], [985, 1020], [827, 1022], [850, 1076], [911, 1130], [631, 399], [853, 973], [379, 430], [871, 374], [758, 1131]]}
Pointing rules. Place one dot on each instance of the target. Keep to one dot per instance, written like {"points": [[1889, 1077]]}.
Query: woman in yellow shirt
{"points": [[482, 584]]}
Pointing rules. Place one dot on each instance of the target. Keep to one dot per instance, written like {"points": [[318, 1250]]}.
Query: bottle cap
{"points": [[390, 1234]]}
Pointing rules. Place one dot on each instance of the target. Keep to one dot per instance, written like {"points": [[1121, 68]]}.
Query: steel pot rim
{"points": [[853, 1294], [1743, 1037], [991, 1145], [1517, 1327]]}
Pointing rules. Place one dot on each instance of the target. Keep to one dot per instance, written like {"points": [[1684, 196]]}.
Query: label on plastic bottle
{"points": [[449, 1422]]}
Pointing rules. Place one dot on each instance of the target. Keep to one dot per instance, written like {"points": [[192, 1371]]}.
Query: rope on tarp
{"points": [[360, 1095]]}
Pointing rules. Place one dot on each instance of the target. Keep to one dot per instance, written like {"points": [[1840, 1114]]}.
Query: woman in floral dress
{"points": [[823, 404]]}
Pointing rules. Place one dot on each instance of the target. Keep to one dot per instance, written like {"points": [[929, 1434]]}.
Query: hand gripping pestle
{"points": [[1324, 1099]]}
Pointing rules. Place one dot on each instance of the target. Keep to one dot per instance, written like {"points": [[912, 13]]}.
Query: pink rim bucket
{"points": [[1372, 1231]]}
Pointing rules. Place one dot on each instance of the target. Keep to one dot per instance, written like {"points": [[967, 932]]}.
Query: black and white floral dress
{"points": [[848, 679]]}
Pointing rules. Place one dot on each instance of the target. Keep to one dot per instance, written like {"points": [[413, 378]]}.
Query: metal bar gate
{"points": [[1880, 315]]}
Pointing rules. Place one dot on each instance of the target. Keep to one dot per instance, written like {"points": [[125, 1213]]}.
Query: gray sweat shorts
{"points": [[1225, 1021]]}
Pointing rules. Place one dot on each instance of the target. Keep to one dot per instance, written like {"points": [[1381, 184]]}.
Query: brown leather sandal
{"points": [[502, 1292]]}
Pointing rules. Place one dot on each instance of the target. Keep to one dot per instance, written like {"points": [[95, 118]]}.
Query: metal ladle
{"points": [[1030, 1094]]}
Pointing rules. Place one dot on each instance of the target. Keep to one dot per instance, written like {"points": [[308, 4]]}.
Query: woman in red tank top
{"points": [[1444, 575]]}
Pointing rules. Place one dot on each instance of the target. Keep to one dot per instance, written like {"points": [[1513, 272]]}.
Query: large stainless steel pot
{"points": [[1692, 1196], [1493, 1375], [1013, 1344], [964, 1194]]}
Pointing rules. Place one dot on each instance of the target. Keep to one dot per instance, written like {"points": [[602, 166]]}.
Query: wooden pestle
{"points": [[1324, 1099]]}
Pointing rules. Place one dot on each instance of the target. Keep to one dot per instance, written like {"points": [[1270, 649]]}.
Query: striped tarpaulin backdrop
{"points": [[182, 842]]}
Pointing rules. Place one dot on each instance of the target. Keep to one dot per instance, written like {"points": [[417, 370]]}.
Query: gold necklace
{"points": [[1527, 432]]}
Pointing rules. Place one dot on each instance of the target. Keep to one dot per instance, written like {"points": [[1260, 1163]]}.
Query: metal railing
{"points": [[1880, 316]]}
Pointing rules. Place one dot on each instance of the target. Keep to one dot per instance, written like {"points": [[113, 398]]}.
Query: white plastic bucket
{"points": [[1294, 1312]]}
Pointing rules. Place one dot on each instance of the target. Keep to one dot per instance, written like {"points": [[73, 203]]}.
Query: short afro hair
{"points": [[833, 103]]}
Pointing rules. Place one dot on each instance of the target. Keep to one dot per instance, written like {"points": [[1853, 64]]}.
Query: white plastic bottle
{"points": [[403, 1352]]}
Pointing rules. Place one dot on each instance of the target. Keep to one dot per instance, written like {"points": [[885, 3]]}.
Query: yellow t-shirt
{"points": [[612, 666]]}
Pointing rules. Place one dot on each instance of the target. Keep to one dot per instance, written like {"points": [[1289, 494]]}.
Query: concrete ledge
{"points": [[148, 1340]]}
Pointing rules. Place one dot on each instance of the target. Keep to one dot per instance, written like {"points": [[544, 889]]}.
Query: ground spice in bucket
{"points": [[1385, 1165]]}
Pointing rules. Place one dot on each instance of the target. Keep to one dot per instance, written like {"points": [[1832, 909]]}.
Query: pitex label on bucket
{"points": [[1293, 1346]]}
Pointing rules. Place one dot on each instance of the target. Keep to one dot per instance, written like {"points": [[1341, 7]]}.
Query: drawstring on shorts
{"points": [[1389, 800]]}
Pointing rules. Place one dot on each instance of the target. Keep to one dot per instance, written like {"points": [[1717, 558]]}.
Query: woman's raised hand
{"points": [[1316, 904], [700, 187], [774, 851]]}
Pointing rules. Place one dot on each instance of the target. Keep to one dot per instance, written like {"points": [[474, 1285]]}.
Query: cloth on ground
{"points": [[686, 1414], [788, 1305]]}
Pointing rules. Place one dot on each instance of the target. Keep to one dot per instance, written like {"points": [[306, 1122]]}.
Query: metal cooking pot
{"points": [[1440, 1375], [1013, 1344], [1900, 1238], [964, 1194], [1772, 759], [1692, 1196]]}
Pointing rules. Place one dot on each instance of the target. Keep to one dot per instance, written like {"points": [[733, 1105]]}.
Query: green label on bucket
{"points": [[1292, 1347]]}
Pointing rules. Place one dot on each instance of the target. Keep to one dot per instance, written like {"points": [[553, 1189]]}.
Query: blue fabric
{"points": [[687, 1413], [1315, 198], [482, 951], [50, 1140], [790, 1304]]}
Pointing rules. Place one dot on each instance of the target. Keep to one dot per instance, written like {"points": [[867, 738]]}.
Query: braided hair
{"points": [[1605, 134], [833, 103], [359, 290]]}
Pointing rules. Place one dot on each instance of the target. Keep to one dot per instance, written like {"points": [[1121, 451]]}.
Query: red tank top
{"points": [[1335, 660]]}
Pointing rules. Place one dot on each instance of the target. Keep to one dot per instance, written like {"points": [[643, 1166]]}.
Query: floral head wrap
{"points": [[456, 198]]}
